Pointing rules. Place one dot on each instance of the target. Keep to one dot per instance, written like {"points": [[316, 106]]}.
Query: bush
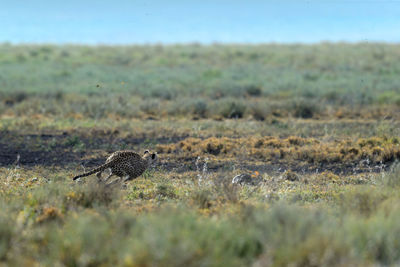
{"points": [[232, 109], [13, 98], [304, 109], [392, 178], [200, 108], [163, 93], [151, 107], [202, 198], [259, 111], [165, 190], [225, 189], [6, 235], [253, 90], [93, 194]]}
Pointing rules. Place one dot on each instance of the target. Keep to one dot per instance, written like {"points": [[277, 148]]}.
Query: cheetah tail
{"points": [[98, 169]]}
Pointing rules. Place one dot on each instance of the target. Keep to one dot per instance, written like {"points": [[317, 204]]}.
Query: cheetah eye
{"points": [[145, 152]]}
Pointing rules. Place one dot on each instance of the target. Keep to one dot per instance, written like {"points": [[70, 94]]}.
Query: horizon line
{"points": [[198, 43]]}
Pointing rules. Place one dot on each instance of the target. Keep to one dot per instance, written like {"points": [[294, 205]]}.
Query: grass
{"points": [[307, 150], [204, 81], [315, 127], [175, 221]]}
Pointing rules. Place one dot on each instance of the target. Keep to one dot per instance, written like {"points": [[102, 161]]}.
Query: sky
{"points": [[179, 21]]}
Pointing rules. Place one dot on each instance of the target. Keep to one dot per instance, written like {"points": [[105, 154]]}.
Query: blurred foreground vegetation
{"points": [[162, 220]]}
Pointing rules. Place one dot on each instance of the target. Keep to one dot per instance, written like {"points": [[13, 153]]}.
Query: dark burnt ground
{"points": [[65, 149], [72, 150]]}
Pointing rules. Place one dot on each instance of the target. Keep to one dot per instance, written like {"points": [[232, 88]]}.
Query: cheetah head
{"points": [[151, 158]]}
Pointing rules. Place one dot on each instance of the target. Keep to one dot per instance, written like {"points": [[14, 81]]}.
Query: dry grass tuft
{"points": [[49, 214], [376, 150]]}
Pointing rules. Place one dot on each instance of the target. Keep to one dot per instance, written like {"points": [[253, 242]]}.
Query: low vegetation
{"points": [[180, 219], [260, 82], [314, 128], [307, 150]]}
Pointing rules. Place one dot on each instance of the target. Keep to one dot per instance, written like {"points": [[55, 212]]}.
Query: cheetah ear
{"points": [[146, 152], [153, 156]]}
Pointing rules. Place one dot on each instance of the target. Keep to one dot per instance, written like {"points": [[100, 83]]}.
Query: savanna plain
{"points": [[314, 127]]}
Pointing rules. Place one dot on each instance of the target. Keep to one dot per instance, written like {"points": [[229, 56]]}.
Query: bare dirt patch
{"points": [[64, 149], [72, 149]]}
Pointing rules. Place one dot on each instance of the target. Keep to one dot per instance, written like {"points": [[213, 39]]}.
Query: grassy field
{"points": [[316, 127]]}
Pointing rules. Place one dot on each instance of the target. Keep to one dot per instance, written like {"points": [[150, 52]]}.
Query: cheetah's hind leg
{"points": [[99, 178], [108, 177], [128, 178], [116, 181], [98, 175], [121, 180]]}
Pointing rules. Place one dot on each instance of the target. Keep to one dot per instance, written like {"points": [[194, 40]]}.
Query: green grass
{"points": [[204, 81], [318, 125], [168, 71]]}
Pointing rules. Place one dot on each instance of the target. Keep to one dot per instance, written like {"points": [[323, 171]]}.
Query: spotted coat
{"points": [[128, 164]]}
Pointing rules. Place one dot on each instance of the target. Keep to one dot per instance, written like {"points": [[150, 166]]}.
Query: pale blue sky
{"points": [[152, 21]]}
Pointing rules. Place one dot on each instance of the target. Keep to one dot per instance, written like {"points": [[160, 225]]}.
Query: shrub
{"points": [[13, 98], [232, 109], [363, 201], [225, 189], [290, 176], [196, 107], [202, 198], [213, 148], [150, 107], [93, 194], [162, 93], [303, 109], [253, 90], [200, 108], [259, 111], [392, 178], [165, 190], [6, 235]]}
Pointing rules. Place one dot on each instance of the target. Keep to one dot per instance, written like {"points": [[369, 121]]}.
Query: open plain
{"points": [[316, 127]]}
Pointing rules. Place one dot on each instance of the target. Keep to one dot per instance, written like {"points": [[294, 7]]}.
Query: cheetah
{"points": [[127, 165]]}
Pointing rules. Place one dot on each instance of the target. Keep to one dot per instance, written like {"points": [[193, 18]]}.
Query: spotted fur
{"points": [[128, 164]]}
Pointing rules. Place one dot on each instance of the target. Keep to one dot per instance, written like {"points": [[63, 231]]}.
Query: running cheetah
{"points": [[127, 165]]}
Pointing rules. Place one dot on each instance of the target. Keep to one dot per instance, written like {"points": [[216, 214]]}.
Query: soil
{"points": [[63, 149], [69, 150]]}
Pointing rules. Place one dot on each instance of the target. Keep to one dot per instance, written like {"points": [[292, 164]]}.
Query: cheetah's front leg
{"points": [[128, 178]]}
